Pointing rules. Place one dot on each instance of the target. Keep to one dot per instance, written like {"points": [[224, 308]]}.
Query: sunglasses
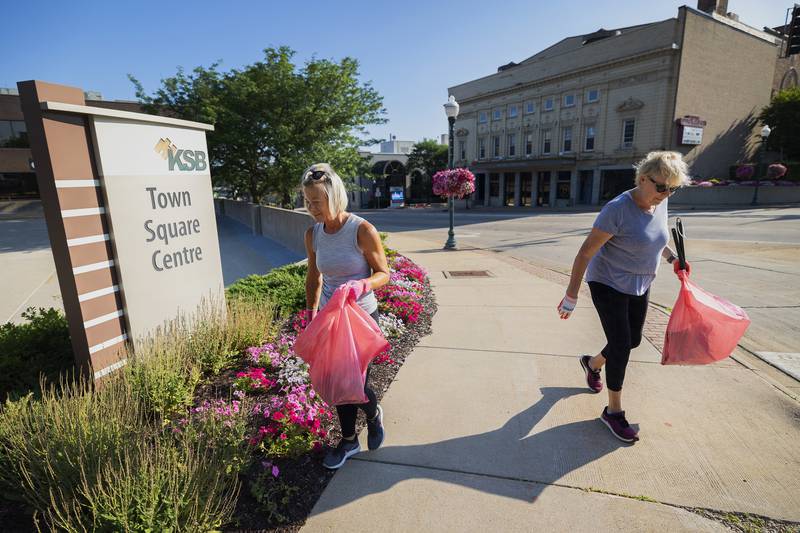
{"points": [[317, 174], [661, 187]]}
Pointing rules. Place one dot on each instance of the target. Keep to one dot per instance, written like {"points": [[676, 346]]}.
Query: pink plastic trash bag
{"points": [[338, 346], [703, 328]]}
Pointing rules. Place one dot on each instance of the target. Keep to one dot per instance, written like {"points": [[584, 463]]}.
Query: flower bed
{"points": [[294, 424], [224, 414]]}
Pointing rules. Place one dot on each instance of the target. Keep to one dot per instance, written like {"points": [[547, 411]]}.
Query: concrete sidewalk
{"points": [[490, 426]]}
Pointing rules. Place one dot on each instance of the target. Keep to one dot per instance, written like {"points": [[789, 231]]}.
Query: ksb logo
{"points": [[183, 159]]}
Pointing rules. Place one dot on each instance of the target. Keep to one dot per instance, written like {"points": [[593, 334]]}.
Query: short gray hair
{"points": [[668, 165], [334, 186]]}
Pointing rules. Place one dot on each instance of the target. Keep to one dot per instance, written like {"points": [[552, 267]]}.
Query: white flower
{"points": [[391, 326]]}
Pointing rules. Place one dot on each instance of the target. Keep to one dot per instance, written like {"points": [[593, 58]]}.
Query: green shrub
{"points": [[48, 446], [284, 287], [164, 375], [41, 345], [163, 485], [167, 367], [94, 460], [217, 338]]}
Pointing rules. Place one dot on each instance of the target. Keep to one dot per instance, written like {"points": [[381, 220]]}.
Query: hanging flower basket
{"points": [[745, 172], [456, 182], [776, 171]]}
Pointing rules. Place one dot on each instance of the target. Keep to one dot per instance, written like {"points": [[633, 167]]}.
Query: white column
{"points": [[517, 190], [596, 187]]}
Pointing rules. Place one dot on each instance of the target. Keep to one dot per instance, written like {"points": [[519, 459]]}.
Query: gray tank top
{"points": [[339, 260]]}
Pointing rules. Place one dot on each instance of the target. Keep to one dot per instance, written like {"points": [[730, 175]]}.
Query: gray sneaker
{"points": [[375, 431], [337, 456]]}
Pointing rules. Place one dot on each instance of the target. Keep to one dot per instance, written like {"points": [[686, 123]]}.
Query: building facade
{"points": [[17, 172], [389, 169], [565, 126]]}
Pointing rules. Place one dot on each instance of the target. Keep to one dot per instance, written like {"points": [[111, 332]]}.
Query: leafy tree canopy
{"points": [[273, 118]]}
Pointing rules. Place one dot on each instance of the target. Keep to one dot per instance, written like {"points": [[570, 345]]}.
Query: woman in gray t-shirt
{"points": [[620, 258], [343, 250]]}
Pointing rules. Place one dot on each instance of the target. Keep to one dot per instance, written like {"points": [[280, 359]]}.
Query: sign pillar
{"points": [[129, 211]]}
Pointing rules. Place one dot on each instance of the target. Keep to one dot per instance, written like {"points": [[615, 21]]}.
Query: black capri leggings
{"points": [[622, 316], [348, 413]]}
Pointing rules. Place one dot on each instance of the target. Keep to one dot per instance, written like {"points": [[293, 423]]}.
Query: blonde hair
{"points": [[668, 165], [334, 186]]}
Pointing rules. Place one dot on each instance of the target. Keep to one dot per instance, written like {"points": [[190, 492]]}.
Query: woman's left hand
{"points": [[676, 267], [359, 287]]}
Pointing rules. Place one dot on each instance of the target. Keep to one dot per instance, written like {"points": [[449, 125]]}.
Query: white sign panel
{"points": [[158, 192], [692, 135]]}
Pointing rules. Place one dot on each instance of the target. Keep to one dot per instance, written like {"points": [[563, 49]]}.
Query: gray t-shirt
{"points": [[339, 260], [629, 260]]}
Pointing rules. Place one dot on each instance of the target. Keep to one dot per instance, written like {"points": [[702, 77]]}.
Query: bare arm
{"points": [[313, 276], [596, 239], [370, 243]]}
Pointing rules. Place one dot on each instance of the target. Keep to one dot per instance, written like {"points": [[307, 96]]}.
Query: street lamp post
{"points": [[451, 109], [765, 131]]}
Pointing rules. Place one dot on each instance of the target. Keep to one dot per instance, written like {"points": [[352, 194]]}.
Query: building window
{"points": [[512, 145], [13, 134], [482, 148], [513, 110], [497, 115], [593, 95], [462, 150], [628, 129], [546, 141], [530, 107], [548, 104], [569, 100], [496, 146], [563, 185], [589, 144], [482, 117], [567, 146], [528, 143], [494, 185]]}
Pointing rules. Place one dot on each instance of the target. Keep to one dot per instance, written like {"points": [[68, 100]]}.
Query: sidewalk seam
{"points": [[641, 498]]}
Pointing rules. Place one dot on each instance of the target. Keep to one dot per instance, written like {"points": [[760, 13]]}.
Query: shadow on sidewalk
{"points": [[470, 461]]}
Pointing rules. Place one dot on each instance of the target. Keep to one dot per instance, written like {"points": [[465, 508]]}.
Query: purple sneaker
{"points": [[592, 376], [619, 426]]}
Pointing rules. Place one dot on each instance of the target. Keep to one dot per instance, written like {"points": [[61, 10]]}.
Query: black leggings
{"points": [[622, 316], [348, 413]]}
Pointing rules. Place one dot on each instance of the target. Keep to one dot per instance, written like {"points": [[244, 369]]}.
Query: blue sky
{"points": [[411, 51]]}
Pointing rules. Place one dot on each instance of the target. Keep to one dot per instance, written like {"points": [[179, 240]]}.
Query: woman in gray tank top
{"points": [[343, 249]]}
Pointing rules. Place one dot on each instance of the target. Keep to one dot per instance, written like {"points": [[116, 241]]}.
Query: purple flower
{"points": [[744, 172]]}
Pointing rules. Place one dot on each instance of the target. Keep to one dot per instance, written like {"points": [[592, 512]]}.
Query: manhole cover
{"points": [[467, 274]]}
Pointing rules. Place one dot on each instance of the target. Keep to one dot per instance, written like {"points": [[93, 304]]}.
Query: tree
{"points": [[428, 156], [273, 119], [783, 116]]}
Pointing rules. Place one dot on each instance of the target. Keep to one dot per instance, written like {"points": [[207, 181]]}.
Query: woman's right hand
{"points": [[567, 306]]}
